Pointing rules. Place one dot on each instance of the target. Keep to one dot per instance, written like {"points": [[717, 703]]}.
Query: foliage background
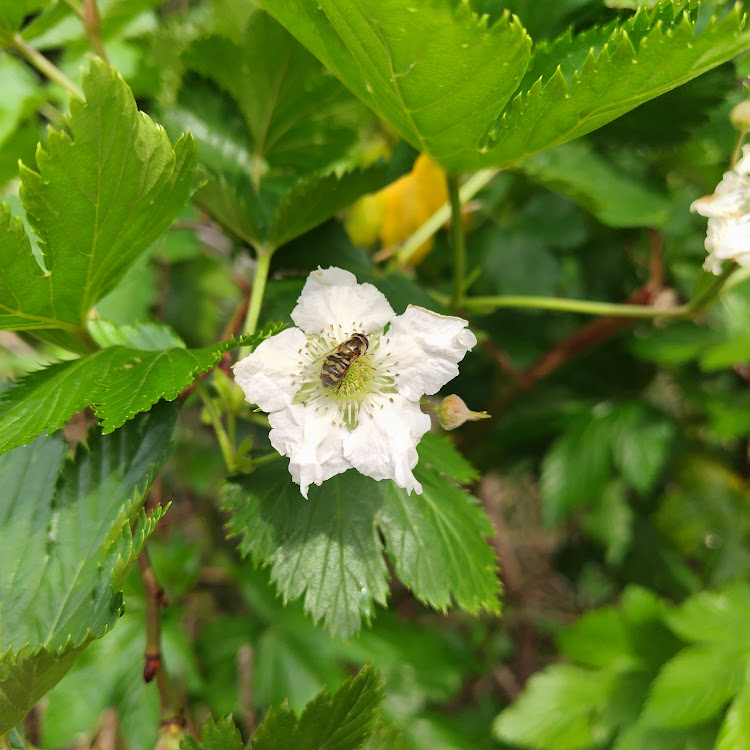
{"points": [[612, 479]]}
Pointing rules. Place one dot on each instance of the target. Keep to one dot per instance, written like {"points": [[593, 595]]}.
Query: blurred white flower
{"points": [[728, 212], [369, 419]]}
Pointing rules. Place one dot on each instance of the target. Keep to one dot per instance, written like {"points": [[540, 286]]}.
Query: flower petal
{"points": [[384, 445], [312, 441], [267, 376], [425, 348], [333, 297], [727, 239], [731, 199]]}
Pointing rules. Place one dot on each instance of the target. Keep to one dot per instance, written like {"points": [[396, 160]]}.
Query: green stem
{"points": [[44, 66], [227, 450], [262, 266], [737, 150], [458, 241], [586, 307], [469, 189]]}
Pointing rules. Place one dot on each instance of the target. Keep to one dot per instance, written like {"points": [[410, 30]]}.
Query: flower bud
{"points": [[740, 116], [453, 412]]}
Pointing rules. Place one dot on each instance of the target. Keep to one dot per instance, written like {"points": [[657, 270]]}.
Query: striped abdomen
{"points": [[337, 363]]}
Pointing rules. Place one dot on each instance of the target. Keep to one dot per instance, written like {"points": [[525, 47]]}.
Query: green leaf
{"points": [[642, 445], [579, 173], [119, 382], [597, 639], [342, 721], [610, 521], [223, 735], [560, 709], [708, 617], [449, 82], [106, 188], [270, 141], [641, 737], [328, 549], [65, 554], [577, 468], [695, 685], [439, 77], [734, 733]]}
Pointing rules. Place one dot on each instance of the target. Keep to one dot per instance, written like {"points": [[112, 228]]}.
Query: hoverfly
{"points": [[337, 363]]}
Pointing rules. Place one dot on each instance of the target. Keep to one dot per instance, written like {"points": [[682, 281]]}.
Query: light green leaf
{"points": [[597, 639], [734, 733], [579, 173], [712, 616], [65, 555], [119, 382], [106, 188], [641, 737], [560, 709], [342, 721], [147, 336], [328, 549], [439, 78], [610, 521], [449, 83], [695, 685], [223, 735]]}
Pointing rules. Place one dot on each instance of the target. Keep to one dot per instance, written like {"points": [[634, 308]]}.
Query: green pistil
{"points": [[356, 381]]}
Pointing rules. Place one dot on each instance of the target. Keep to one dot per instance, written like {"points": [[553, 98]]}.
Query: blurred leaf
{"points": [[446, 81], [65, 557], [695, 685], [610, 521], [579, 173], [642, 444], [560, 709], [19, 94], [119, 382], [223, 735], [342, 721], [641, 737], [734, 733], [577, 468], [328, 547]]}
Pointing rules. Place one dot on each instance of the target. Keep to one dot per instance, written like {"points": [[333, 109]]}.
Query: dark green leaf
{"points": [[579, 173], [342, 721], [223, 735], [328, 547], [65, 555]]}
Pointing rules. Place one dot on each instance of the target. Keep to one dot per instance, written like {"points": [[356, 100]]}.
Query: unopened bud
{"points": [[453, 412], [740, 116]]}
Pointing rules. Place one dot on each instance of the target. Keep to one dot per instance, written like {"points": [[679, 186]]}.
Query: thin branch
{"points": [[44, 66], [245, 662], [458, 241], [154, 666]]}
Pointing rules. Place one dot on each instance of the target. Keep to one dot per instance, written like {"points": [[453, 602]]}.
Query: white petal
{"points": [[425, 349], [743, 165], [384, 446], [267, 375], [314, 445], [730, 199], [332, 297]]}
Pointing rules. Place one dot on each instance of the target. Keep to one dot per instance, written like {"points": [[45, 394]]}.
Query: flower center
{"points": [[362, 387]]}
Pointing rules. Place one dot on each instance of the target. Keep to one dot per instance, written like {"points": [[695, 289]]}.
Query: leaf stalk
{"points": [[227, 449], [260, 276]]}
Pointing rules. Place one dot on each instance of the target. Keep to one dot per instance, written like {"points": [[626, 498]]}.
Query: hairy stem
{"points": [[154, 666], [93, 25], [45, 67], [469, 189], [458, 241], [262, 267], [227, 449]]}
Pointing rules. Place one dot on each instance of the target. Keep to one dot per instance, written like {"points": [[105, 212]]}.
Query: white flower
{"points": [[370, 420], [728, 212]]}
